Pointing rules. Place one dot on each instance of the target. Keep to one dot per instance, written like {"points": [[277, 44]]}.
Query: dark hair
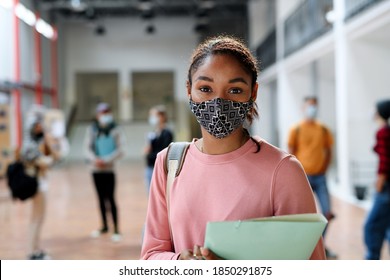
{"points": [[311, 98], [383, 109], [161, 111], [226, 45]]}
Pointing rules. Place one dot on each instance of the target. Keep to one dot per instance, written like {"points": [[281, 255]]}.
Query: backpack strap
{"points": [[295, 145], [173, 164]]}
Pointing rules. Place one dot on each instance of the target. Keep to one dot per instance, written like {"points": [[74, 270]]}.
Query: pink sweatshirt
{"points": [[238, 185]]}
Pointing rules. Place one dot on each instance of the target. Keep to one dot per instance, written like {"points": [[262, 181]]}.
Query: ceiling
{"points": [[147, 9], [211, 16]]}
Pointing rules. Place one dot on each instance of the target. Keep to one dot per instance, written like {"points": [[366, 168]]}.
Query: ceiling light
{"points": [[25, 14], [330, 16], [45, 29], [78, 6]]}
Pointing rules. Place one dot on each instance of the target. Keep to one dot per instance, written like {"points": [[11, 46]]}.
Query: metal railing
{"points": [[355, 7], [305, 24], [266, 51]]}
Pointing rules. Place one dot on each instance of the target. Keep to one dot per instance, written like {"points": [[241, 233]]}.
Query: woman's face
{"points": [[221, 76], [38, 129]]}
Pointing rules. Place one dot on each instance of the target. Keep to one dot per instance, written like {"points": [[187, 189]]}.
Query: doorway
{"points": [[150, 89], [92, 88]]}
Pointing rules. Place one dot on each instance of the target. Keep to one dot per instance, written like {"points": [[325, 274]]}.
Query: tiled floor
{"points": [[72, 214]]}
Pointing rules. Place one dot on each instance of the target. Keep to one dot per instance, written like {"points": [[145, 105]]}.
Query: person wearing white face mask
{"points": [[104, 144], [157, 140], [40, 150], [311, 142]]}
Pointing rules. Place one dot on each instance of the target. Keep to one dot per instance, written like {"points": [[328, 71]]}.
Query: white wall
{"points": [[46, 61], [369, 82], [266, 125], [27, 54], [6, 46], [125, 48], [27, 59], [27, 49]]}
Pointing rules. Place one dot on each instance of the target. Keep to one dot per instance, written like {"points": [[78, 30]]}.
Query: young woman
{"points": [[227, 174], [40, 150]]}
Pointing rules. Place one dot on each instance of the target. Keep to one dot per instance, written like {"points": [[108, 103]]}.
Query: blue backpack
{"points": [[104, 143]]}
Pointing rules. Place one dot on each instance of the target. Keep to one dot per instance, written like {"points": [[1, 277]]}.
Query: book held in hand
{"points": [[288, 237]]}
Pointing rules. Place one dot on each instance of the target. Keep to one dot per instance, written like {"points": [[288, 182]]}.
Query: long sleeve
{"points": [[88, 145], [382, 148], [290, 181], [120, 146]]}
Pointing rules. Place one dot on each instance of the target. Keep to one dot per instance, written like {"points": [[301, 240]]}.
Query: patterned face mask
{"points": [[220, 117]]}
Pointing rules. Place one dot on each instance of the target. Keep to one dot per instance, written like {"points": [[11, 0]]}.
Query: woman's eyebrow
{"points": [[235, 80], [204, 78], [238, 80]]}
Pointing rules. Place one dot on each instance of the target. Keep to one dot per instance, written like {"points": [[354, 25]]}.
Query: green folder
{"points": [[288, 237]]}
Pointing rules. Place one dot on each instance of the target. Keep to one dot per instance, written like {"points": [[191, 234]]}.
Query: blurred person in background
{"points": [[158, 139], [43, 145], [378, 219], [311, 142], [104, 146]]}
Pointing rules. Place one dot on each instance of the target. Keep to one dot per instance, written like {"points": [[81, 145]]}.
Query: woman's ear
{"points": [[188, 85], [254, 91]]}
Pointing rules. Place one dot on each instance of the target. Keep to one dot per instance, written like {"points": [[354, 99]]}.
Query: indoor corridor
{"points": [[72, 213]]}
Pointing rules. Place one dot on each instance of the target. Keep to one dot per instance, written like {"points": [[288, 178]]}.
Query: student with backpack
{"points": [[104, 143], [311, 142], [41, 148], [228, 174]]}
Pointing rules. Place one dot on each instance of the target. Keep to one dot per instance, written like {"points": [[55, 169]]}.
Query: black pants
{"points": [[105, 186]]}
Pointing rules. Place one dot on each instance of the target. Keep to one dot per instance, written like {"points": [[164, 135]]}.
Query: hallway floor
{"points": [[72, 213]]}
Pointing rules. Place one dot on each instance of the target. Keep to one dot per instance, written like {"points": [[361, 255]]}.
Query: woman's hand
{"points": [[147, 149], [198, 253], [187, 255], [207, 254], [100, 163]]}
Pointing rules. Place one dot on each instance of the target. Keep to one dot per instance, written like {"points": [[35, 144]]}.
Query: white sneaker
{"points": [[95, 233], [116, 237]]}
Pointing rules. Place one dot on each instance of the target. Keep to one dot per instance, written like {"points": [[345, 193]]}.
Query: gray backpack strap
{"points": [[176, 152], [173, 163]]}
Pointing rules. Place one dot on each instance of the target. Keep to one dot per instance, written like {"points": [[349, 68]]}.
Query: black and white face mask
{"points": [[220, 117]]}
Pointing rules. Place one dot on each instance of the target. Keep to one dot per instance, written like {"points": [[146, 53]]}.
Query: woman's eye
{"points": [[205, 89], [235, 91]]}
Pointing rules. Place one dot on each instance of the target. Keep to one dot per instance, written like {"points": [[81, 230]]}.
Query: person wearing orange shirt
{"points": [[311, 142]]}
